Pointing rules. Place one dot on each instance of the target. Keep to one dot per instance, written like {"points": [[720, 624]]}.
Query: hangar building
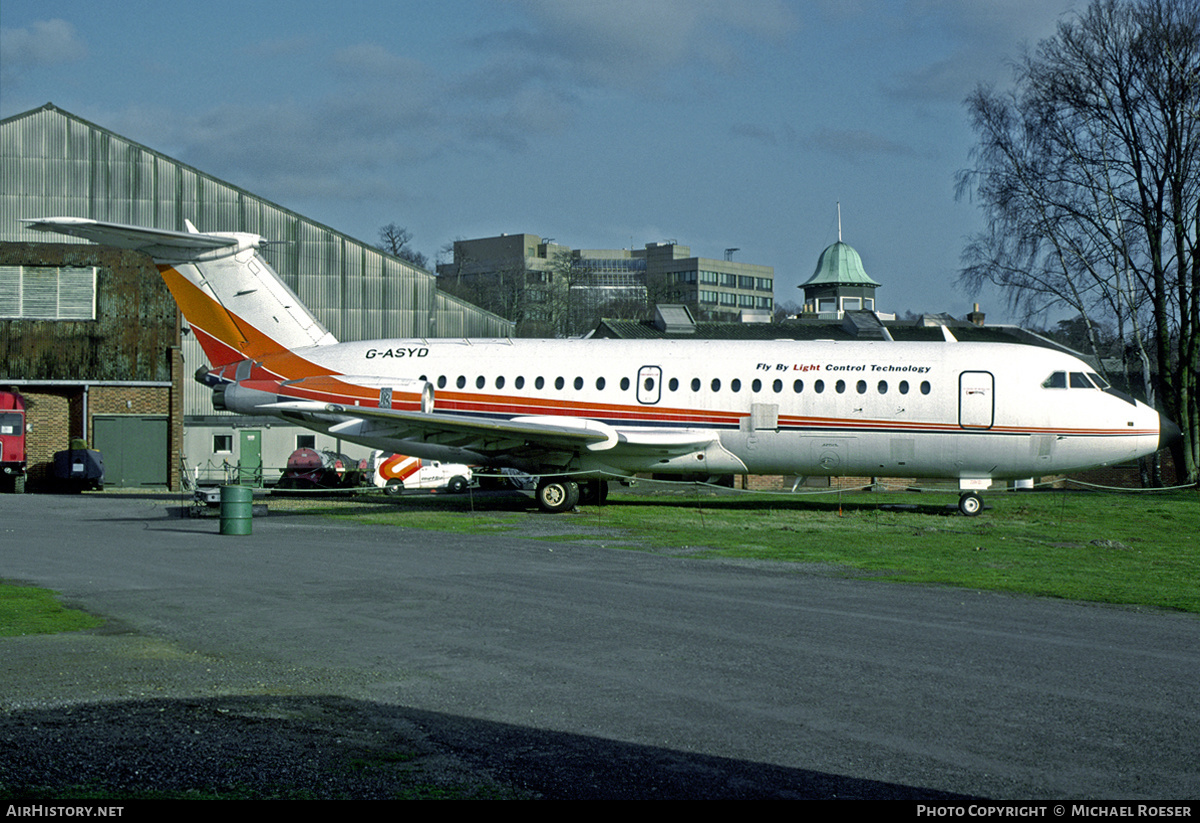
{"points": [[91, 337]]}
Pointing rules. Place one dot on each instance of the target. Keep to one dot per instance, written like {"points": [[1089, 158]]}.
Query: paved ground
{"points": [[575, 670]]}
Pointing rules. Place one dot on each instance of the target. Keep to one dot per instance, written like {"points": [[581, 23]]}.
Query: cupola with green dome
{"points": [[840, 284]]}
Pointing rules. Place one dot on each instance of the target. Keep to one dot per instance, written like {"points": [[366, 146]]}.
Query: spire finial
{"points": [[839, 207]]}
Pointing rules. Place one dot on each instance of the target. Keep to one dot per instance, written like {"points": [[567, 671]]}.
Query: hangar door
{"points": [[134, 448]]}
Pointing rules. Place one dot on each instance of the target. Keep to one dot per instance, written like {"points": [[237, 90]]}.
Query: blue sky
{"points": [[602, 124]]}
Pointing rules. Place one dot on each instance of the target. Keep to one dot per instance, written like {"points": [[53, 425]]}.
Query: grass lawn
{"points": [[30, 610]]}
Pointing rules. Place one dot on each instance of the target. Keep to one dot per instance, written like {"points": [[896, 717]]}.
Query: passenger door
{"points": [[649, 385], [976, 400]]}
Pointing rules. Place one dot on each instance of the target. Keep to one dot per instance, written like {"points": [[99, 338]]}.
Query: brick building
{"points": [[89, 337]]}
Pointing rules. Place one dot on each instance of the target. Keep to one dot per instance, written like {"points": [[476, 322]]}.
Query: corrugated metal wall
{"points": [[53, 163]]}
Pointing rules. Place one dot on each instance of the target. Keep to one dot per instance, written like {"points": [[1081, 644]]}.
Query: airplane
{"points": [[579, 412]]}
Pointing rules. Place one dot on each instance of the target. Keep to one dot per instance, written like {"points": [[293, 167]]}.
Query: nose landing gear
{"points": [[970, 504]]}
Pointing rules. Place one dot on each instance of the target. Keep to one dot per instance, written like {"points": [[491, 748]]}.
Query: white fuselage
{"points": [[888, 409]]}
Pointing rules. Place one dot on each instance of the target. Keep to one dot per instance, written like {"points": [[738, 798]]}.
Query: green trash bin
{"points": [[237, 509]]}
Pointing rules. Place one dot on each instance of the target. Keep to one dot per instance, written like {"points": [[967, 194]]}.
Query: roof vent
{"points": [[674, 318]]}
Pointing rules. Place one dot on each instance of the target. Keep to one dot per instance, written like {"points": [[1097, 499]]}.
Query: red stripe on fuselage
{"points": [[505, 407]]}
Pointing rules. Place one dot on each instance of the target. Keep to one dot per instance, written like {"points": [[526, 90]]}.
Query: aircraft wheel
{"points": [[393, 486], [457, 485], [970, 504], [556, 496]]}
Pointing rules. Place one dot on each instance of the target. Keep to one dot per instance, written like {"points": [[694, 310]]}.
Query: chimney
{"points": [[976, 316]]}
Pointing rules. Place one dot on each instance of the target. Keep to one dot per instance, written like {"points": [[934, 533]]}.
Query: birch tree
{"points": [[1088, 171]]}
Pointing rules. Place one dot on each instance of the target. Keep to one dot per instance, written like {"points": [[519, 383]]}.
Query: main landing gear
{"points": [[555, 494], [970, 503]]}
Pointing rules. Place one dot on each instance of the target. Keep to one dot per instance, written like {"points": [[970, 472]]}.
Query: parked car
{"points": [[396, 472], [78, 468]]}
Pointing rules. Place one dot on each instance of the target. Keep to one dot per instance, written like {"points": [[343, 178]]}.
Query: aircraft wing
{"points": [[155, 242], [491, 436], [485, 435]]}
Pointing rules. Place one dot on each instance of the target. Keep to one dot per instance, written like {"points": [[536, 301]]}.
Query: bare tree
{"points": [[1089, 173], [504, 291], [395, 241]]}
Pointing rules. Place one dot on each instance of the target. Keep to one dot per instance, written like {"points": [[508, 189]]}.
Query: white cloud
{"points": [[979, 38], [43, 43], [630, 43], [847, 144]]}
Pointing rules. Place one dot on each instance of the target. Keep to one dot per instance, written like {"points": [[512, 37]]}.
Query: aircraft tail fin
{"points": [[236, 304]]}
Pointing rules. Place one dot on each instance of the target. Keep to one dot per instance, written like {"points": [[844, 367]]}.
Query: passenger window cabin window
{"points": [[756, 386], [777, 386], [442, 382], [695, 384], [578, 383], [461, 382], [904, 387], [818, 386], [480, 382], [539, 383], [559, 383], [519, 382], [499, 382], [735, 385], [624, 384], [883, 387], [798, 386], [599, 384], [673, 385], [841, 386], [925, 387], [861, 387], [716, 384]]}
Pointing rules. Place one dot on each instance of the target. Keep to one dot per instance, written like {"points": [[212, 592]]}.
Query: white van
{"points": [[396, 472]]}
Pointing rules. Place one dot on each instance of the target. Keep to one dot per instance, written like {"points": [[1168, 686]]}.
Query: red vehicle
{"points": [[311, 469], [12, 442]]}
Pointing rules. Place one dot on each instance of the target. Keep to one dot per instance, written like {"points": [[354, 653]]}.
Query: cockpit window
{"points": [[1075, 380]]}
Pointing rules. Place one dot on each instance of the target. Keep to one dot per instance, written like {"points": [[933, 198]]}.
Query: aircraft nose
{"points": [[1168, 433]]}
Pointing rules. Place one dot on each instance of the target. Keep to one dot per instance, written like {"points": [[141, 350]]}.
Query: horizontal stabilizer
{"points": [[237, 305], [158, 243]]}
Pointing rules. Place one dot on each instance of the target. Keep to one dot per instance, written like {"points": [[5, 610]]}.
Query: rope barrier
{"points": [[227, 472]]}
